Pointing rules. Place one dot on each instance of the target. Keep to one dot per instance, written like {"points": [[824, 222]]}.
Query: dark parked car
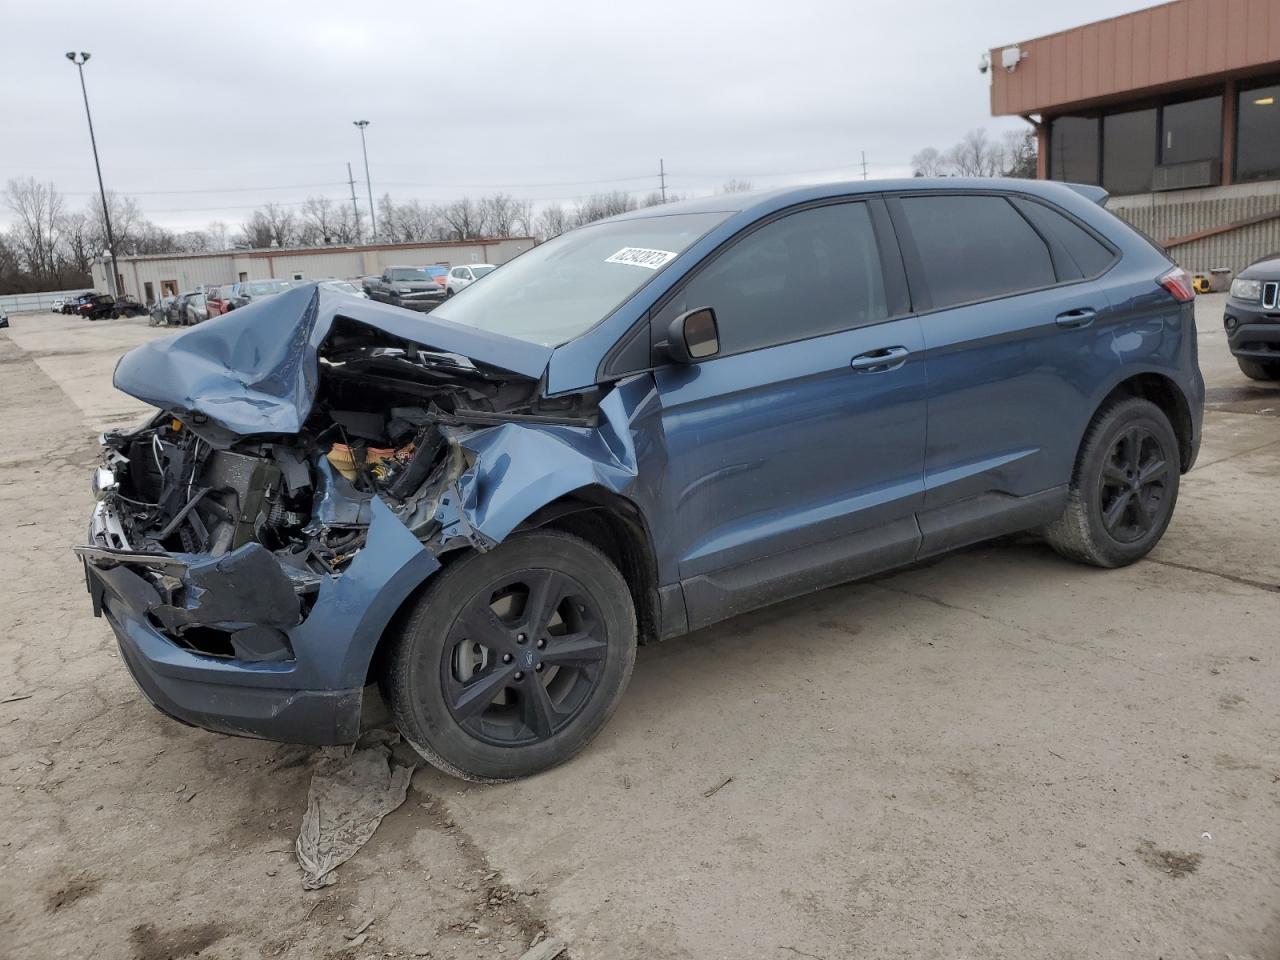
{"points": [[189, 309], [634, 430], [414, 288], [127, 307], [71, 305], [1252, 319], [4, 319], [98, 307]]}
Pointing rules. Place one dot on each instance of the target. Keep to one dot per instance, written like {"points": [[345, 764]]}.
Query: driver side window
{"points": [[809, 273]]}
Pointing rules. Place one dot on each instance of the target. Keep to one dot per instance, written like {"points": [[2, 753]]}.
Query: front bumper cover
{"points": [[1252, 331]]}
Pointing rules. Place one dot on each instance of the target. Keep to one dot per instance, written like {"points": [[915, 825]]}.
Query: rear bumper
{"points": [[222, 695]]}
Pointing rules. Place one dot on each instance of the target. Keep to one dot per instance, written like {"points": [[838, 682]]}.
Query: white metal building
{"points": [[151, 277]]}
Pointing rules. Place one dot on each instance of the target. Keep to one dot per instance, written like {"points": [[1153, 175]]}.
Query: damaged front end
{"points": [[251, 541]]}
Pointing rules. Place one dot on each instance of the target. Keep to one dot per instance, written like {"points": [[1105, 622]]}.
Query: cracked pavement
{"points": [[997, 754]]}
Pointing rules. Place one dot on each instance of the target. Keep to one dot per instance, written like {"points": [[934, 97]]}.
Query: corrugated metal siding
{"points": [[1164, 216], [1175, 44], [346, 262]]}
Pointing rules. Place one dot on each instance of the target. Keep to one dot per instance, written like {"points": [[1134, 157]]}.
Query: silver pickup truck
{"points": [[414, 288]]}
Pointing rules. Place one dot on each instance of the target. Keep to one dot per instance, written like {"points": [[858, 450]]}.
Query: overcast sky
{"points": [[204, 110]]}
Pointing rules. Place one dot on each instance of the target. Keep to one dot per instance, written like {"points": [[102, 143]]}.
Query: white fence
{"points": [[36, 302]]}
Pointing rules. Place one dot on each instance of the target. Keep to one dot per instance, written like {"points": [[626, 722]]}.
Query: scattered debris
{"points": [[1206, 835], [44, 761], [15, 699], [350, 793], [360, 929], [546, 950], [718, 787]]}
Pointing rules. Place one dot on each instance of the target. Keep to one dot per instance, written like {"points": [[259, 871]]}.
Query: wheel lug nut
{"points": [[506, 658], [541, 644], [519, 675], [538, 667], [521, 638]]}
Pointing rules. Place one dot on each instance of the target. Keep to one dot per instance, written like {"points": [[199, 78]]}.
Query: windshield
{"points": [[265, 288], [562, 288], [479, 272], [407, 274]]}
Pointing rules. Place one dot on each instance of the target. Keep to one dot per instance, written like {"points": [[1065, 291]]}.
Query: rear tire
{"points": [[1259, 369], [511, 661], [1123, 489]]}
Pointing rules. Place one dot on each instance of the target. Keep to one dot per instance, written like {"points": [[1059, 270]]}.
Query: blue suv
{"points": [[630, 432]]}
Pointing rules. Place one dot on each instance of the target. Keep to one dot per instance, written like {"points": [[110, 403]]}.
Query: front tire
{"points": [[1123, 489], [1259, 369], [513, 660]]}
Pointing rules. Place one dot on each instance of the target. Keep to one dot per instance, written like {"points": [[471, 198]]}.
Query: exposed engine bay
{"points": [[386, 422]]}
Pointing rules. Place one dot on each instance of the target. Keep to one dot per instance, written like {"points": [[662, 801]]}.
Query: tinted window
{"points": [[1258, 134], [974, 248], [1087, 253], [1073, 149], [1192, 131], [804, 275], [1129, 151]]}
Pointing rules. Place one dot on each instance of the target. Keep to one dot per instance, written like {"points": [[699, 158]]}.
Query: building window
{"points": [[1073, 149], [1129, 151], [1258, 134], [1192, 131]]}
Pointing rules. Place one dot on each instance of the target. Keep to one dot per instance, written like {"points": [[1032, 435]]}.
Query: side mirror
{"points": [[694, 336]]}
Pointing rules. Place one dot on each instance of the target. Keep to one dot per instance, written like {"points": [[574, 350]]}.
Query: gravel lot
{"points": [[1000, 754]]}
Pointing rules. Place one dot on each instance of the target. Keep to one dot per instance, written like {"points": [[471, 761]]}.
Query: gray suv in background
{"points": [[413, 288]]}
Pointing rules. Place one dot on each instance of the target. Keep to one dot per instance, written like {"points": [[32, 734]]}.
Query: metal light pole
{"points": [[80, 61], [373, 213]]}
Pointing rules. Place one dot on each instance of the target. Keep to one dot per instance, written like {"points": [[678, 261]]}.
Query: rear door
{"points": [[1009, 319], [795, 456]]}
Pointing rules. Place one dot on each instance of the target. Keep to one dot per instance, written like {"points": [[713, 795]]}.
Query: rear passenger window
{"points": [[976, 248], [1085, 250], [804, 275]]}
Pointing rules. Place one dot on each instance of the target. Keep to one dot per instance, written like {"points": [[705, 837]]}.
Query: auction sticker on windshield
{"points": [[640, 257]]}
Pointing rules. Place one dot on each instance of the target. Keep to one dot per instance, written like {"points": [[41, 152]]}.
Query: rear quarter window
{"points": [[976, 248], [1088, 253]]}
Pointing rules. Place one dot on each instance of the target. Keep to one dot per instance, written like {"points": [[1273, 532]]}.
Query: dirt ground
{"points": [[999, 754]]}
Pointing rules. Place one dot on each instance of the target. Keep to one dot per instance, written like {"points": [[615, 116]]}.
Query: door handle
{"points": [[1080, 317], [878, 361]]}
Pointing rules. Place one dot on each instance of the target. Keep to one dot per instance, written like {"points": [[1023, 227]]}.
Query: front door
{"points": [[795, 456]]}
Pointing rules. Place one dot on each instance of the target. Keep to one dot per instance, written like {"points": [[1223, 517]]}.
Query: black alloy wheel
{"points": [[511, 661], [523, 657], [1132, 485]]}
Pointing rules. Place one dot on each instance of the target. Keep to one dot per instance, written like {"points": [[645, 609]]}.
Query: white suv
{"points": [[460, 277]]}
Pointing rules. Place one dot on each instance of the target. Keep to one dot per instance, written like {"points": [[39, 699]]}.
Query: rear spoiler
{"points": [[1090, 192]]}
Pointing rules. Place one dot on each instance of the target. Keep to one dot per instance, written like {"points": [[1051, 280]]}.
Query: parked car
{"points": [[460, 277], [1252, 319], [190, 309], [127, 306], [439, 272], [72, 305], [634, 430], [218, 299], [4, 319], [247, 291], [413, 288], [56, 305], [98, 307]]}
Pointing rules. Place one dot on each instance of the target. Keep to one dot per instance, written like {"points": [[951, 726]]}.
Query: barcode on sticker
{"points": [[640, 257]]}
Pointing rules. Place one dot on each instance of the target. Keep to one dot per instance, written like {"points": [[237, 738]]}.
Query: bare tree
{"points": [[736, 186], [601, 205], [37, 232], [282, 224], [256, 231], [79, 241], [551, 222], [976, 155], [929, 163], [318, 221], [127, 223], [1020, 153], [498, 215], [219, 235], [461, 220]]}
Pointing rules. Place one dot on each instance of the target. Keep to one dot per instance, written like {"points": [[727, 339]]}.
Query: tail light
{"points": [[1178, 282]]}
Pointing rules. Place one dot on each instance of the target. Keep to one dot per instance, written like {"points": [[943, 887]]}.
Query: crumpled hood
{"points": [[255, 370]]}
